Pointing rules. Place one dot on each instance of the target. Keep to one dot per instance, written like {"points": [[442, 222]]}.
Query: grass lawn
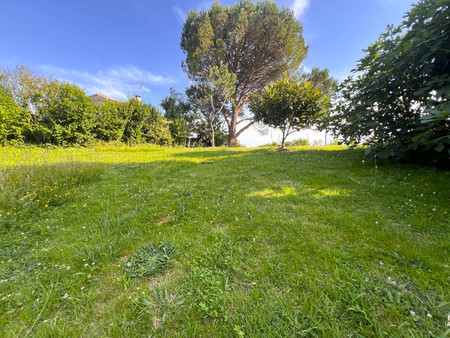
{"points": [[253, 243]]}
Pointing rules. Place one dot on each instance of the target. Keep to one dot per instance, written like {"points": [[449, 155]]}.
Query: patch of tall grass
{"points": [[30, 184]]}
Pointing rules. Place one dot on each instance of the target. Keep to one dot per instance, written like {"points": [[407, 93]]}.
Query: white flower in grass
{"points": [[68, 268], [429, 315], [412, 313], [66, 296], [391, 281]]}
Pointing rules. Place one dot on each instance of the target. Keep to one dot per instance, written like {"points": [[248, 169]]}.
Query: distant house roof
{"points": [[100, 98]]}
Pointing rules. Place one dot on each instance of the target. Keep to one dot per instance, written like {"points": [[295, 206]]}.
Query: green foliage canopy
{"points": [[178, 112], [111, 121], [12, 119], [321, 79], [68, 114], [290, 105], [145, 123], [398, 103]]}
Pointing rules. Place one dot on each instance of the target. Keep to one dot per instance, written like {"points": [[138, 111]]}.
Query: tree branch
{"points": [[247, 119], [245, 128]]}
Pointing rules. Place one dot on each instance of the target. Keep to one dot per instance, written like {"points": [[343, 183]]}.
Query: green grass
{"points": [[312, 242]]}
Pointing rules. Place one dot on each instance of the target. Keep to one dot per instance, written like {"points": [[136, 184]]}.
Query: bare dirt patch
{"points": [[164, 278], [164, 220]]}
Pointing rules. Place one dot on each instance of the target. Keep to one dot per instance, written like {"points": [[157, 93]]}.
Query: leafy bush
{"points": [[144, 123], [45, 111], [68, 114], [398, 104], [299, 142], [151, 259], [12, 119], [111, 121]]}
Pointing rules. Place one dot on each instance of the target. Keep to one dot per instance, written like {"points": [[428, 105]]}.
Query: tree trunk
{"points": [[283, 139], [232, 138], [213, 144]]}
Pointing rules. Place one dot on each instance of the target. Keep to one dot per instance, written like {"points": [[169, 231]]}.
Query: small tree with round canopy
{"points": [[289, 104]]}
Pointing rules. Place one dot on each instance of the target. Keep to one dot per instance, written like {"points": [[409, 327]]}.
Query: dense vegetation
{"points": [[148, 240], [399, 102], [38, 110]]}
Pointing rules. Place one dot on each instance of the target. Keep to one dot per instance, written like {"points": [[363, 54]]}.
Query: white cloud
{"points": [[182, 16], [116, 82], [299, 7]]}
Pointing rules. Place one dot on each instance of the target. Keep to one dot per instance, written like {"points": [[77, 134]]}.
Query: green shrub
{"points": [[398, 104], [299, 142], [12, 119]]}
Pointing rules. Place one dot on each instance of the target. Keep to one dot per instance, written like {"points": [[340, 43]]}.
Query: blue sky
{"points": [[121, 47]]}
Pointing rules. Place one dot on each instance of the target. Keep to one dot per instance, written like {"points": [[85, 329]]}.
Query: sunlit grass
{"points": [[312, 242]]}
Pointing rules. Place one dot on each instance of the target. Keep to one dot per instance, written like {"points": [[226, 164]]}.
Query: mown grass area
{"points": [[311, 242]]}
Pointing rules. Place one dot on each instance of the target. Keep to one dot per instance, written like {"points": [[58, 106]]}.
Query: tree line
{"points": [[40, 110]]}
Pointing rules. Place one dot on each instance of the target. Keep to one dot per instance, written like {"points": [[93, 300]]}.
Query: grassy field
{"points": [[314, 242]]}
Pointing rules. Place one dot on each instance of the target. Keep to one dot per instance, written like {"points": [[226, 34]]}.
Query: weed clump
{"points": [[208, 280], [151, 259]]}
